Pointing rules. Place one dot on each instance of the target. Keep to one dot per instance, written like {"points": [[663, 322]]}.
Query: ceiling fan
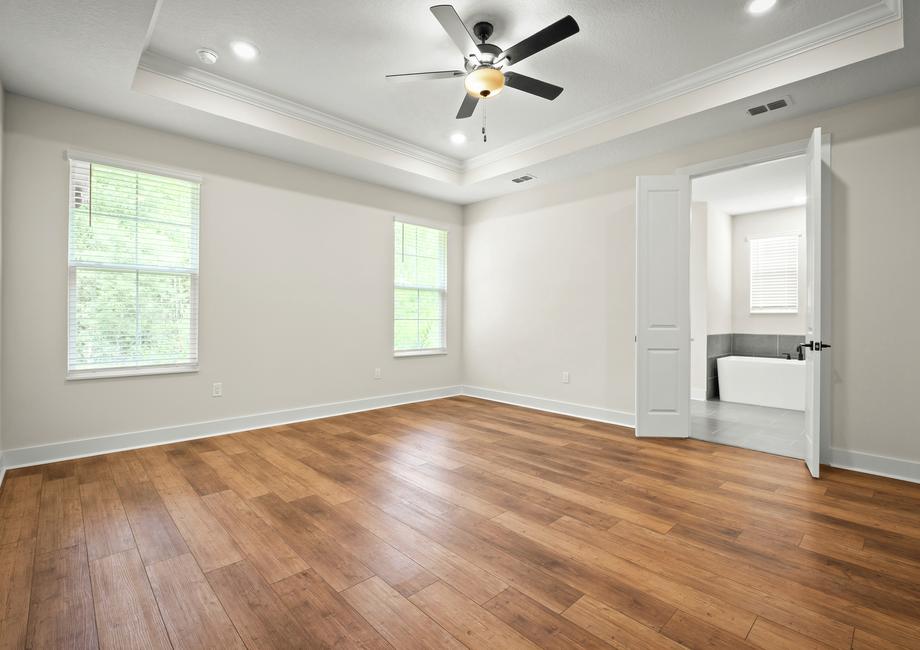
{"points": [[485, 64]]}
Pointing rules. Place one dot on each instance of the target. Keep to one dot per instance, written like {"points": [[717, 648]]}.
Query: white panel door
{"points": [[663, 306], [813, 335]]}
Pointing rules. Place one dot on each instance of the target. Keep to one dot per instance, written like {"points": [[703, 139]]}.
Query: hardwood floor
{"points": [[453, 523]]}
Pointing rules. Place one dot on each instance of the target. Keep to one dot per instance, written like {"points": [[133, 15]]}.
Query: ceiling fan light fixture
{"points": [[484, 82]]}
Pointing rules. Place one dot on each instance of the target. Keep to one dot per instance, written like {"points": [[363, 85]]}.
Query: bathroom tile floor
{"points": [[771, 430]]}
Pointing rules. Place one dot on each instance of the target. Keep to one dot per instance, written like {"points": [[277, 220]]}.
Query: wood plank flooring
{"points": [[454, 523]]}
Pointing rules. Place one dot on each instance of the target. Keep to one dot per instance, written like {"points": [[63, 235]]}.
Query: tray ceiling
{"points": [[332, 56]]}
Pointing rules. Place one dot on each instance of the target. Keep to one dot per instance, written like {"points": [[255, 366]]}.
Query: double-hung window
{"points": [[775, 275], [133, 271], [420, 290]]}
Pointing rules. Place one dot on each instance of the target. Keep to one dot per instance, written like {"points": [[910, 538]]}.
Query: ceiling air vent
{"points": [[779, 103], [523, 179], [770, 106]]}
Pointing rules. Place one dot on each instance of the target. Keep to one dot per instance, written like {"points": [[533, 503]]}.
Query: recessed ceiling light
{"points": [[244, 50], [758, 7], [207, 55], [458, 138]]}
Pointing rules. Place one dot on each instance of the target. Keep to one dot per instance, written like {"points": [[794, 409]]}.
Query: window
{"points": [[420, 294], [133, 272], [775, 275]]}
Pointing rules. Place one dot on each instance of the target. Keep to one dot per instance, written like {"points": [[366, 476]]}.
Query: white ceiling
{"points": [[332, 55], [322, 64], [754, 188]]}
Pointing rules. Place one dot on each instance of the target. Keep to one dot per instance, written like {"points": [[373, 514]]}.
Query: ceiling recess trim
{"points": [[163, 66], [876, 15]]}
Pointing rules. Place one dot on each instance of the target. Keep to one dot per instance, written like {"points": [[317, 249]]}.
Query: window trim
{"points": [[72, 155], [423, 352], [798, 276], [132, 165]]}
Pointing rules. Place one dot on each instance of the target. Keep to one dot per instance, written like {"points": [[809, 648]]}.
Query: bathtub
{"points": [[779, 383]]}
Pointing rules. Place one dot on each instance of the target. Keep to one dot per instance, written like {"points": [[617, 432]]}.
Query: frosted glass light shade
{"points": [[484, 82]]}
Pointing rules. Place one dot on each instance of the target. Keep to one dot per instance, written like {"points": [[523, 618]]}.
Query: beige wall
{"points": [[719, 271], [769, 222], [699, 289], [296, 286], [550, 276], [2, 103]]}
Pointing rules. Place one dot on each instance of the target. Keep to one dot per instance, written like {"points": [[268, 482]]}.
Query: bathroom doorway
{"points": [[664, 205], [748, 265]]}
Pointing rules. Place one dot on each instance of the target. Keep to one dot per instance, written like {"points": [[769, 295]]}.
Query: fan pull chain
{"points": [[485, 138]]}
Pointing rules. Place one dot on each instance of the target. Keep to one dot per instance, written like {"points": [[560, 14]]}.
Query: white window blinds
{"points": [[775, 275], [420, 295], [133, 272]]}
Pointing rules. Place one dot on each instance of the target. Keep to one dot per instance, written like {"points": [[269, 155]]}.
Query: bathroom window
{"points": [[420, 290], [133, 271], [775, 275]]}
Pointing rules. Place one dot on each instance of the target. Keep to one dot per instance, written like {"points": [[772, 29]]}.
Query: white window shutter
{"points": [[775, 275]]}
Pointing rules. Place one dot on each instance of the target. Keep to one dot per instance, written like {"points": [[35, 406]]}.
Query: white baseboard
{"points": [[41, 454], [698, 394], [905, 470], [554, 406], [858, 461]]}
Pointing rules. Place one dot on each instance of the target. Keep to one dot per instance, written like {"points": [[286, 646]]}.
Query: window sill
{"points": [[111, 373], [419, 353]]}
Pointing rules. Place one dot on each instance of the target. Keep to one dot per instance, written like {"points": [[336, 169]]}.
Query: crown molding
{"points": [[171, 69], [862, 20]]}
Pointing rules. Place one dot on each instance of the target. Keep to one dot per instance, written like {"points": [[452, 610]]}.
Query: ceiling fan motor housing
{"points": [[483, 31]]}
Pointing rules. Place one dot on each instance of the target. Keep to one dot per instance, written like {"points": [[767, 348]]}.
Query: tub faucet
{"points": [[787, 356], [800, 348]]}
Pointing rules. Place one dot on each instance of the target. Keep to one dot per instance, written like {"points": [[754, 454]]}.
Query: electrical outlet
{"points": [[217, 389], [377, 374], [565, 376]]}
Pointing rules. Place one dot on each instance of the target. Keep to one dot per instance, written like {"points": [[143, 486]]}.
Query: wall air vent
{"points": [[523, 179], [776, 104]]}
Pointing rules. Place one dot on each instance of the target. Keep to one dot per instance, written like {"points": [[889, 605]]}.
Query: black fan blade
{"points": [[415, 76], [559, 30], [455, 28], [467, 107], [532, 86]]}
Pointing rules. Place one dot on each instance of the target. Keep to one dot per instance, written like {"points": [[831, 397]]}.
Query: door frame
{"points": [[769, 154]]}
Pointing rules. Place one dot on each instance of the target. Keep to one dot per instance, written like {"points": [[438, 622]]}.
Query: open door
{"points": [[813, 336], [663, 306]]}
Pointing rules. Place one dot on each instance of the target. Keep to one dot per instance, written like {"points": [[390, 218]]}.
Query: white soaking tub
{"points": [[779, 383]]}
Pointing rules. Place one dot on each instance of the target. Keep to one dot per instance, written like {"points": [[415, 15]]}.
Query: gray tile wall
{"points": [[717, 345], [744, 345]]}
